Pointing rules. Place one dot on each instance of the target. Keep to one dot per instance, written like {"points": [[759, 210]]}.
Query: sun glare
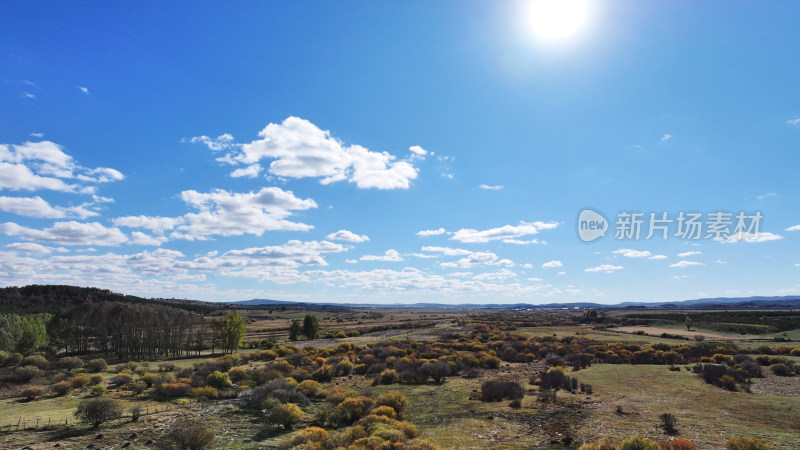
{"points": [[557, 19]]}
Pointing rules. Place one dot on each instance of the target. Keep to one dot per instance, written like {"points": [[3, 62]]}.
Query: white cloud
{"points": [[520, 242], [40, 208], [293, 254], [552, 264], [447, 250], [686, 264], [629, 253], [562, 273], [351, 261], [435, 232], [83, 89], [228, 214], [139, 238], [607, 268], [349, 236], [767, 195], [418, 152], [501, 275], [30, 247], [491, 188], [44, 165], [469, 235], [793, 228], [687, 254], [390, 255], [795, 121], [658, 257], [250, 171], [159, 224], [752, 237], [666, 137], [479, 259], [68, 233], [221, 142], [719, 261], [27, 95], [299, 149], [37, 135]]}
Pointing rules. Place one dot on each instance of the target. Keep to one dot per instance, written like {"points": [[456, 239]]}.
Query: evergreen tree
{"points": [[310, 327], [294, 330]]}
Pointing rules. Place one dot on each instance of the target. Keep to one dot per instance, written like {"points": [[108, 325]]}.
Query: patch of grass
{"points": [[707, 414]]}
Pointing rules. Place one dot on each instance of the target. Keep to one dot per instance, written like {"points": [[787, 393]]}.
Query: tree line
{"points": [[136, 331]]}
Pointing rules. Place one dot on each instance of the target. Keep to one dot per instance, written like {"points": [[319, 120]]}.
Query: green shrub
{"points": [[638, 443], [97, 365], [237, 374], [324, 373], [311, 389], [747, 444], [138, 387], [70, 363], [96, 379], [313, 437], [35, 360], [62, 388], [205, 392], [284, 415], [219, 380], [394, 399], [388, 376], [98, 411], [98, 390], [26, 373]]}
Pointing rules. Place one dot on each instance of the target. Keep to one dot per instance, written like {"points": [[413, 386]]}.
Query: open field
{"points": [[622, 399]]}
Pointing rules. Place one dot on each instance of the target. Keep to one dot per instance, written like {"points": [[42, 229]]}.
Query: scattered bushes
{"points": [[97, 365], [61, 388], [30, 393], [394, 399], [285, 415], [219, 380], [747, 444], [668, 422], [70, 363], [98, 411], [23, 374], [184, 434], [782, 370], [35, 360], [98, 390], [496, 390]]}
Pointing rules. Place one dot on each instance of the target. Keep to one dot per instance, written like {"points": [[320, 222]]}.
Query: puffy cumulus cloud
{"points": [[685, 263], [293, 254], [607, 268], [226, 213], [552, 264], [30, 247], [418, 152], [68, 233], [689, 253], [348, 236], [629, 253], [658, 257], [752, 237], [139, 238], [40, 208], [448, 251], [479, 259], [488, 187], [44, 165], [502, 274], [469, 235], [436, 232], [390, 255], [297, 148]]}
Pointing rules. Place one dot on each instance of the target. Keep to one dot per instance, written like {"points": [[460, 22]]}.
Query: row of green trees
{"points": [[23, 333], [309, 328], [136, 331]]}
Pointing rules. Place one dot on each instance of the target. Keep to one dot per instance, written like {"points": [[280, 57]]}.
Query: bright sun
{"points": [[557, 19]]}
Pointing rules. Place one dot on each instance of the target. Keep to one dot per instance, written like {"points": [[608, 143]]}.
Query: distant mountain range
{"points": [[52, 298], [717, 302]]}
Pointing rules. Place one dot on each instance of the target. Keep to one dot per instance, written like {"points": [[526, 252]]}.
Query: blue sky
{"points": [[396, 151]]}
